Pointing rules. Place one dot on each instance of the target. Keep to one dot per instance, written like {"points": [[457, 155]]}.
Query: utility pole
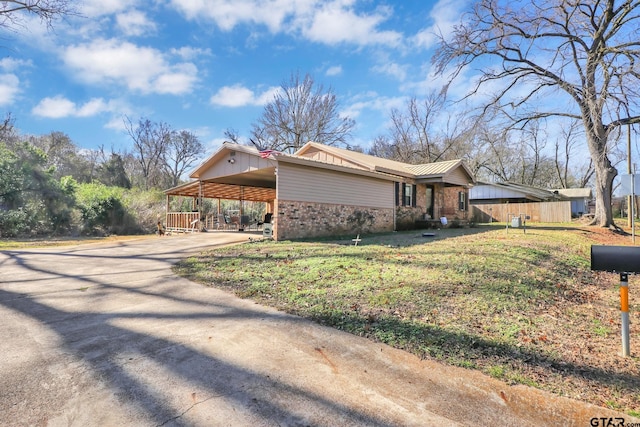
{"points": [[630, 200]]}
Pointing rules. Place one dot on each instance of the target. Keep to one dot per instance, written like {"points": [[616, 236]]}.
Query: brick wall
{"points": [[451, 205], [305, 219], [445, 200], [406, 217]]}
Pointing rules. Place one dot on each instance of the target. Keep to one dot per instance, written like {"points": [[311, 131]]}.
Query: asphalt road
{"points": [[106, 335]]}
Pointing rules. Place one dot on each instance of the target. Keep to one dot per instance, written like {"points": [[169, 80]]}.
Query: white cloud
{"points": [[188, 53], [135, 23], [12, 64], [59, 107], [392, 69], [240, 96], [177, 81], [229, 13], [336, 23], [55, 108], [445, 15], [140, 69], [334, 71], [372, 101], [96, 8], [329, 22], [9, 88]]}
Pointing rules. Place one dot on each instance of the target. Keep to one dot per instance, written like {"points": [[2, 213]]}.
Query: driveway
{"points": [[106, 335]]}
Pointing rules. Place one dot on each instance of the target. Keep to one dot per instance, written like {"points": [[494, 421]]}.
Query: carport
{"points": [[233, 173]]}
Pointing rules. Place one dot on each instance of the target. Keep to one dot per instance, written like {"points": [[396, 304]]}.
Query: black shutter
{"points": [[397, 193], [413, 195]]}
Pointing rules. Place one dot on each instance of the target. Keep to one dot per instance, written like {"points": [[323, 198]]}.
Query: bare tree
{"points": [[422, 132], [584, 49], [299, 113], [183, 150], [232, 135], [12, 11], [150, 144], [565, 146]]}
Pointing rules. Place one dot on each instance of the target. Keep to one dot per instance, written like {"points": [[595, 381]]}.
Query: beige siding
{"points": [[458, 177], [307, 184], [242, 162], [323, 156]]}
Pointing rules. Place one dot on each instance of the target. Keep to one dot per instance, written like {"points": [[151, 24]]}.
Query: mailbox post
{"points": [[624, 260]]}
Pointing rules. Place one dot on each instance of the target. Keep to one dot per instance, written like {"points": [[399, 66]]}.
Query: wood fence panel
{"points": [[538, 212], [181, 221]]}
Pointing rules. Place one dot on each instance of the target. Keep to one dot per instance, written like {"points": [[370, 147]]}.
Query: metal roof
{"points": [[252, 185], [574, 193]]}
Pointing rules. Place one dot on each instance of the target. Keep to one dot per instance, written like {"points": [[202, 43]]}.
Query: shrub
{"points": [[15, 222], [101, 208]]}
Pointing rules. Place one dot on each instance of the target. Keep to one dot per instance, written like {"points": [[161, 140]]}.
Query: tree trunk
{"points": [[605, 173]]}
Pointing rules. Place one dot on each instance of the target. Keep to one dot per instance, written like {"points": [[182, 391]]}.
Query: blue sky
{"points": [[209, 65]]}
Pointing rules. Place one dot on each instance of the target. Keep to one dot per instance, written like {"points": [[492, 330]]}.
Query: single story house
{"points": [[323, 190], [509, 192], [498, 201], [579, 198]]}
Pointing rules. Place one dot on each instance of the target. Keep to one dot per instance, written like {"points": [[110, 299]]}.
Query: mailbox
{"points": [[623, 260], [617, 259]]}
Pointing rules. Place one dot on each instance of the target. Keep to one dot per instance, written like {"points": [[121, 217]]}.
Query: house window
{"points": [[407, 195], [462, 201]]}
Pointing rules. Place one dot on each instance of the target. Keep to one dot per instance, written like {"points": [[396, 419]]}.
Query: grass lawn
{"points": [[521, 307]]}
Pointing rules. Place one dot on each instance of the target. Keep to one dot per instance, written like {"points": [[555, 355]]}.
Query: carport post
{"points": [[624, 312]]}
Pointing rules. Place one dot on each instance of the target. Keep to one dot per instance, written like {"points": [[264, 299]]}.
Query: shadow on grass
{"points": [[468, 350]]}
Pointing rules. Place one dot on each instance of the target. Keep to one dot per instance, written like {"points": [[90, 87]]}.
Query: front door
{"points": [[429, 200]]}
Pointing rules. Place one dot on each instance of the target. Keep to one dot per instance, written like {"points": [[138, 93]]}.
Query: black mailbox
{"points": [[616, 259]]}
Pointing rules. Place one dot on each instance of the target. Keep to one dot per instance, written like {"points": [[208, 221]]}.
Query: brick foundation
{"points": [[305, 219]]}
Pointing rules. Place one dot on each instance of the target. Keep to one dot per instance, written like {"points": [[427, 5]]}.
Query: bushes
{"points": [[100, 207], [14, 222], [115, 210], [35, 202]]}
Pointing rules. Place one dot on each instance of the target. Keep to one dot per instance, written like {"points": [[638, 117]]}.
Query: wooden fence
{"points": [[182, 221], [537, 212]]}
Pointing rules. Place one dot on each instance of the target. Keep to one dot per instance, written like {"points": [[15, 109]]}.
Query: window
{"points": [[407, 195], [462, 201]]}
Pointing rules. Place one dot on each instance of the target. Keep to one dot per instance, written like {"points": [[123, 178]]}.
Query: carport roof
{"points": [[216, 190]]}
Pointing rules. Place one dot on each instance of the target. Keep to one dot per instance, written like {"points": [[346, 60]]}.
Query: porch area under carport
{"points": [[258, 185]]}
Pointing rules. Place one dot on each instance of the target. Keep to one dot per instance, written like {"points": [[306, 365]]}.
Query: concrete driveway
{"points": [[106, 335]]}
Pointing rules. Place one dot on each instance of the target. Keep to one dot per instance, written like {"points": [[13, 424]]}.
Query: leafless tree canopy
{"points": [[183, 151], [301, 112], [536, 50], [422, 132], [150, 142], [12, 11]]}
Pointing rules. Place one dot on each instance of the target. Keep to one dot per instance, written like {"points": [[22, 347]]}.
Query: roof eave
{"points": [[331, 166], [220, 153]]}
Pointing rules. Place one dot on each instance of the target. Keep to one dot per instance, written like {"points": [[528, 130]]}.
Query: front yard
{"points": [[521, 307]]}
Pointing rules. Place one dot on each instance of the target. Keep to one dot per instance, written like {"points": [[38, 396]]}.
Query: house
{"points": [[579, 198], [323, 191], [509, 192], [500, 201]]}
